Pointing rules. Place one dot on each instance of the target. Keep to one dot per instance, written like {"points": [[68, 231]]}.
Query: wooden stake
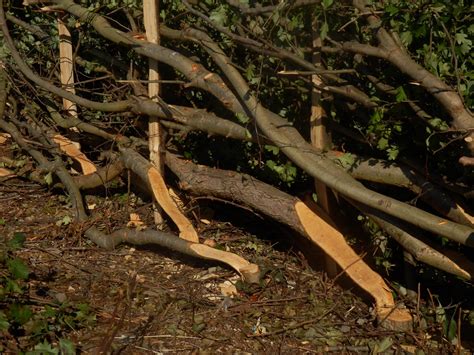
{"points": [[66, 66], [151, 18], [320, 139]]}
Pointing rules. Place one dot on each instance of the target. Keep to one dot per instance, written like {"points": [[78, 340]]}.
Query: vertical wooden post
{"points": [[320, 137], [151, 18], [66, 66]]}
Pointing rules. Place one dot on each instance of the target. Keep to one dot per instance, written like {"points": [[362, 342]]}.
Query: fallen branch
{"points": [[249, 272]]}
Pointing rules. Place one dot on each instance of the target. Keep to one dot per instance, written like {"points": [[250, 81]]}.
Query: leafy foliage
{"points": [[41, 328]]}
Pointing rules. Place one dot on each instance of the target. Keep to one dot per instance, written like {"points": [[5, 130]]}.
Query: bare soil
{"points": [[149, 300]]}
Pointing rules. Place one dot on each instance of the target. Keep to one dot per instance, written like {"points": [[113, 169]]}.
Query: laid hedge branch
{"points": [[304, 155], [265, 199], [249, 272]]}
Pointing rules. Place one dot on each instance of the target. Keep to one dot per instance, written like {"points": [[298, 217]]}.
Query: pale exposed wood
{"points": [[72, 150], [4, 137], [249, 272], [469, 217], [151, 21], [136, 222], [4, 172], [67, 81], [160, 193], [332, 242], [66, 66], [319, 136]]}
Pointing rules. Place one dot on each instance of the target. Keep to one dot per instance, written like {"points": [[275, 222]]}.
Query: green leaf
{"points": [[271, 164], [406, 38], [219, 16], [18, 269], [401, 95], [346, 160], [391, 9], [383, 345], [392, 153], [17, 241], [20, 313], [439, 124], [12, 286], [324, 30], [377, 115], [327, 3], [64, 221], [383, 143], [4, 324], [67, 347], [271, 148], [44, 348], [452, 330], [197, 328], [48, 178], [242, 117], [464, 42]]}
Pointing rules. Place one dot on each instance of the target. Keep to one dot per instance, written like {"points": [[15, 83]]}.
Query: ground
{"points": [[147, 300]]}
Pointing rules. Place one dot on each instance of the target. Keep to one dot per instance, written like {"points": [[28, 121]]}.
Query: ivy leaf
{"points": [[383, 143], [65, 221], [451, 329], [383, 345], [346, 160], [18, 269], [242, 117], [392, 153], [48, 178], [219, 16], [67, 346], [17, 241], [4, 324], [12, 286], [271, 164], [401, 95], [327, 3], [271, 148], [20, 313], [406, 38], [464, 42], [324, 30], [44, 348]]}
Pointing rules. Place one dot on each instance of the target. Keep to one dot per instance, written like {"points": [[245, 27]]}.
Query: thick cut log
{"points": [[291, 211]]}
